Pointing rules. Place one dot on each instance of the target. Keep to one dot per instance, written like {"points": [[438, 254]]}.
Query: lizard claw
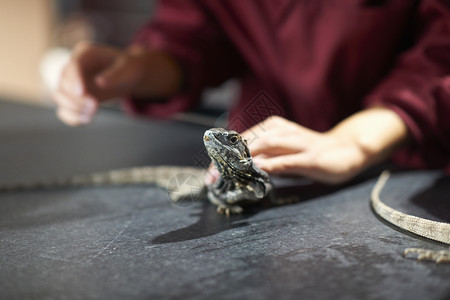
{"points": [[438, 256], [229, 210]]}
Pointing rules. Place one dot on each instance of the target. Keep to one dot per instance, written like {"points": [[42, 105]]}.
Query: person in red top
{"points": [[329, 88]]}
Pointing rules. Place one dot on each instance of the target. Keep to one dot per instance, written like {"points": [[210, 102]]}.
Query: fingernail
{"points": [[258, 161], [87, 111], [85, 119], [89, 106], [208, 178], [100, 80], [211, 176], [78, 91]]}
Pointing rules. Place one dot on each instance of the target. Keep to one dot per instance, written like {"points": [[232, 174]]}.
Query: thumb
{"points": [[122, 76], [211, 175]]}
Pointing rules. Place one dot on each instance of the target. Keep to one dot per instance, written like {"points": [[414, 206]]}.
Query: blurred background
{"points": [[37, 37]]}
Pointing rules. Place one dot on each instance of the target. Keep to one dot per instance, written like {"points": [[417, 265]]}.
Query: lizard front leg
{"points": [[223, 207]]}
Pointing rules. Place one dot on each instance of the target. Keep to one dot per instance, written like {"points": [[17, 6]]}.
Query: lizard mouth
{"points": [[211, 139]]}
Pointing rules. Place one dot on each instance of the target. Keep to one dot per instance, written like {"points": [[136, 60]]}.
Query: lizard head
{"points": [[228, 151]]}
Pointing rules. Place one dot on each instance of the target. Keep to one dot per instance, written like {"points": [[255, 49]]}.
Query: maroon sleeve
{"points": [[418, 89], [185, 30]]}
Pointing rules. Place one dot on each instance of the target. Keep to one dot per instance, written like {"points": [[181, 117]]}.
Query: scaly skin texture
{"points": [[437, 231]]}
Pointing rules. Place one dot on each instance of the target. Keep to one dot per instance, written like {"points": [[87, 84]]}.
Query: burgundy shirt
{"points": [[314, 62]]}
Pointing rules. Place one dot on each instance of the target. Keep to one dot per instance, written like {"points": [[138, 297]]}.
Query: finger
{"points": [[257, 131], [84, 105], [271, 123], [277, 145], [212, 174], [304, 165], [86, 63], [83, 109], [63, 101], [291, 164], [71, 81], [299, 165], [121, 76], [255, 139], [92, 56], [273, 126], [265, 125], [72, 119]]}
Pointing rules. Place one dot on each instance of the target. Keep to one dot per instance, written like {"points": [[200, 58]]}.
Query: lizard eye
{"points": [[233, 139]]}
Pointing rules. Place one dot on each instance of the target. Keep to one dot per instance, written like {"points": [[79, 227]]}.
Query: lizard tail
{"points": [[158, 175], [437, 231]]}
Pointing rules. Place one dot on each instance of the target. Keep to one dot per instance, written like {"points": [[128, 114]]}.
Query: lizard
{"points": [[437, 231], [240, 182]]}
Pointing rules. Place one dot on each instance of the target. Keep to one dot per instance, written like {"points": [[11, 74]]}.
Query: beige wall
{"points": [[25, 32]]}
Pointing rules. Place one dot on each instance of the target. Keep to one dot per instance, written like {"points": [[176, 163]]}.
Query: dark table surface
{"points": [[132, 243]]}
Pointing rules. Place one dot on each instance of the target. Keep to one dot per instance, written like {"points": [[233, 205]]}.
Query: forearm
{"points": [[377, 131]]}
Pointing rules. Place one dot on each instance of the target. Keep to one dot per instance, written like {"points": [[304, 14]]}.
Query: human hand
{"points": [[283, 147], [98, 73]]}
